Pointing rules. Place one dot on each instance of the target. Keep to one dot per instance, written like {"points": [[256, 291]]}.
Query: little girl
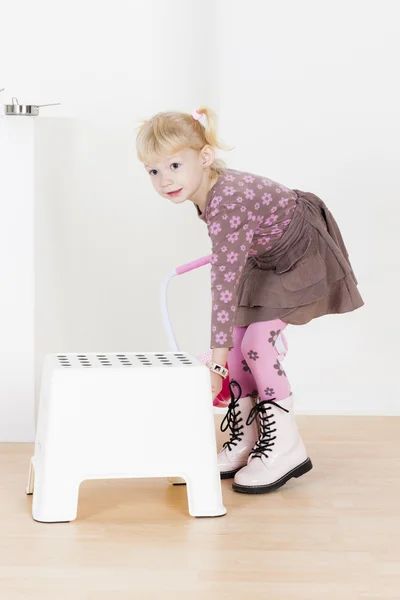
{"points": [[278, 258]]}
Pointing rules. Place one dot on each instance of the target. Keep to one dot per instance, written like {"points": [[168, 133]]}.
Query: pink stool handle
{"points": [[195, 264]]}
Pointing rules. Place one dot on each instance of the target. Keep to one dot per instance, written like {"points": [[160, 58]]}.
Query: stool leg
{"points": [[204, 494], [31, 479], [55, 500]]}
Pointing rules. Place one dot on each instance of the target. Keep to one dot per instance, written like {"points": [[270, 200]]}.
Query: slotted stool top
{"points": [[125, 360]]}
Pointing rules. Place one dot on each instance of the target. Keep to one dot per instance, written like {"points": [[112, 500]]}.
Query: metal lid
{"points": [[24, 110]]}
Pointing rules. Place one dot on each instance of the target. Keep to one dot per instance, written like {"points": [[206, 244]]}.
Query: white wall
{"points": [[307, 94], [310, 96], [104, 239]]}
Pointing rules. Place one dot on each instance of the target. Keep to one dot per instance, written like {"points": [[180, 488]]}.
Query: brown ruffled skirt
{"points": [[307, 274]]}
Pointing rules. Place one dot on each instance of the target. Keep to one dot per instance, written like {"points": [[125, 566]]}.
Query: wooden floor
{"points": [[332, 534]]}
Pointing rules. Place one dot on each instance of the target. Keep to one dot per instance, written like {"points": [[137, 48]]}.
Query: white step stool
{"points": [[107, 416]]}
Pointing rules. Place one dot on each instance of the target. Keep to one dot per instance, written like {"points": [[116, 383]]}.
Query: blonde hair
{"points": [[170, 132]]}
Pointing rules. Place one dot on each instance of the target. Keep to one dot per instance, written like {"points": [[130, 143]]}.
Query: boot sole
{"points": [[302, 469], [226, 475], [230, 474]]}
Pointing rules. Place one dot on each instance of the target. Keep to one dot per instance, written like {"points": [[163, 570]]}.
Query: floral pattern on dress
{"points": [[246, 215]]}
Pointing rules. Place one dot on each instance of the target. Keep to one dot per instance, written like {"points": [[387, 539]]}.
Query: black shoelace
{"points": [[232, 419], [266, 440]]}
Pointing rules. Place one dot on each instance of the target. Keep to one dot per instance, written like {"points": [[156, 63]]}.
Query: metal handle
{"points": [[173, 345], [205, 260], [16, 103], [54, 104]]}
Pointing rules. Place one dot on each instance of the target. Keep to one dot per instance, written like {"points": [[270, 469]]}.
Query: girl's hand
{"points": [[216, 384]]}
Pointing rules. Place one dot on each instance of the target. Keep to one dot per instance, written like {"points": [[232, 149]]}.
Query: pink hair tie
{"points": [[201, 117]]}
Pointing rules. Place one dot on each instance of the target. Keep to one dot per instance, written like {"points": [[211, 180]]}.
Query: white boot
{"points": [[279, 453], [235, 452]]}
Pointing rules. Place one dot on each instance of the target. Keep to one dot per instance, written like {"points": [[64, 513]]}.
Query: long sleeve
{"points": [[231, 228]]}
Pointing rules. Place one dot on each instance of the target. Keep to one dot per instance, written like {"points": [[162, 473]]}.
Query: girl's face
{"points": [[178, 177]]}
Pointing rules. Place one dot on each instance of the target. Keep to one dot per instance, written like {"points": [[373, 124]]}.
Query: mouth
{"points": [[175, 193]]}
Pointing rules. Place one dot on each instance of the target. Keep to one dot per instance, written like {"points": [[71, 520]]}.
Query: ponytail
{"points": [[210, 129]]}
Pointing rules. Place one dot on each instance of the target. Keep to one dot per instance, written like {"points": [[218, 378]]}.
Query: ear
{"points": [[207, 156]]}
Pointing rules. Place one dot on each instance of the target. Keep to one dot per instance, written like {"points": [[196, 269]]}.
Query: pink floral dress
{"points": [[246, 215]]}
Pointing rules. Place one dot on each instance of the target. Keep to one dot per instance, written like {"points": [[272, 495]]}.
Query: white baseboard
{"points": [[349, 413]]}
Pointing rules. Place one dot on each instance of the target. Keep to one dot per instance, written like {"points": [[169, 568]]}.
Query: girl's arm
{"points": [[220, 356], [231, 232]]}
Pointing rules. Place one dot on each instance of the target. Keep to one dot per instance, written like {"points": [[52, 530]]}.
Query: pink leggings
{"points": [[254, 361]]}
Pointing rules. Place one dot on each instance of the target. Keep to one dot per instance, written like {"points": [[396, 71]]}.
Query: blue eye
{"points": [[153, 171], [175, 165]]}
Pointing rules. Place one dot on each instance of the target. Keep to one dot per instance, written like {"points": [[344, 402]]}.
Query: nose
{"points": [[166, 181]]}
